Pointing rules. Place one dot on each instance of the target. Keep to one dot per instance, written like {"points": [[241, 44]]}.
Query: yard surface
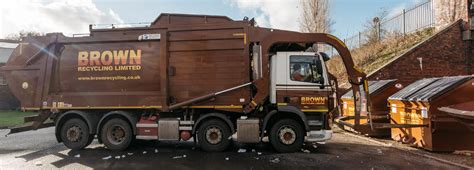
{"points": [[12, 118], [40, 150]]}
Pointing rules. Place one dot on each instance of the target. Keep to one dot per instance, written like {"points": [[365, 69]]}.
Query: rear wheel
{"points": [[287, 135], [116, 134], [75, 134], [213, 135]]}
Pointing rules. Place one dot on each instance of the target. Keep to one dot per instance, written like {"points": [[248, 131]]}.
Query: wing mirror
{"points": [[319, 66], [319, 70]]}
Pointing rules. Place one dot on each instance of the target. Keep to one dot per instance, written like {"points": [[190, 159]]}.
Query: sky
{"points": [[74, 16]]}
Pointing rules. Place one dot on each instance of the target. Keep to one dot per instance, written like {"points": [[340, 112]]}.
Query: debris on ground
{"points": [[129, 154], [379, 151], [77, 156], [179, 157], [276, 160], [123, 156], [265, 139], [305, 151], [144, 152], [259, 153], [465, 153], [321, 143], [257, 158], [156, 150], [227, 158], [242, 150], [117, 157], [315, 146], [107, 157], [38, 163], [253, 150]]}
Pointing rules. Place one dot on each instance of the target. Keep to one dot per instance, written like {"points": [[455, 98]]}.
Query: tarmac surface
{"points": [[40, 150]]}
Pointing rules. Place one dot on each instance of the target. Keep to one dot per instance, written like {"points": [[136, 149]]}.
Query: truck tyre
{"points": [[213, 135], [75, 134], [116, 134], [287, 135]]}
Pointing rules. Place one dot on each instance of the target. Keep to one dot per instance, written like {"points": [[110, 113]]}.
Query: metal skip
{"points": [[441, 128]]}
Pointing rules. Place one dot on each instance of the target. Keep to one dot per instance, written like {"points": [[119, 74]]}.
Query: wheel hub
{"points": [[74, 133], [117, 134], [214, 135], [287, 135]]}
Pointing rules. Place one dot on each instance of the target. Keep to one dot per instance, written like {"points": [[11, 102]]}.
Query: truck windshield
{"points": [[304, 68]]}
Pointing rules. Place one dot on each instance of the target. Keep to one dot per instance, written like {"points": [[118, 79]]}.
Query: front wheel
{"points": [[116, 134], [287, 135], [75, 134], [213, 135]]}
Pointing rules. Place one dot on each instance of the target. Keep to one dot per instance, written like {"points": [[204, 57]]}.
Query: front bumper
{"points": [[318, 136]]}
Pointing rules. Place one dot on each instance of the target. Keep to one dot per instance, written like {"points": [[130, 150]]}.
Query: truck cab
{"points": [[300, 84]]}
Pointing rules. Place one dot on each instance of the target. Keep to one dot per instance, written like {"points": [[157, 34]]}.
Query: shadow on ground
{"points": [[184, 155]]}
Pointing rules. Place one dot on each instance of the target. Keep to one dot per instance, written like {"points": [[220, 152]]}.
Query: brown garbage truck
{"points": [[204, 77]]}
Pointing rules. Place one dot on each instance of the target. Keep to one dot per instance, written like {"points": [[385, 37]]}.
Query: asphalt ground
{"points": [[39, 150]]}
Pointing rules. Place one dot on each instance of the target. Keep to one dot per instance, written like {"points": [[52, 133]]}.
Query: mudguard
{"points": [[216, 115], [90, 119], [288, 109], [131, 118]]}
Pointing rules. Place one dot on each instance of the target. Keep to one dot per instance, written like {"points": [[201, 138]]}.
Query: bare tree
{"points": [[22, 34], [315, 19], [374, 32], [315, 16]]}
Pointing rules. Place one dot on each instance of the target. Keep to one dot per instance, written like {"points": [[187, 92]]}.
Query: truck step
{"points": [[315, 123], [186, 122]]}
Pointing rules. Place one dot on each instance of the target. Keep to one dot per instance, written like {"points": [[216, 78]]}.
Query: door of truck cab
{"points": [[300, 79]]}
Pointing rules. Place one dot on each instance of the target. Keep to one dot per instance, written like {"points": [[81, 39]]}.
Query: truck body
{"points": [[184, 76]]}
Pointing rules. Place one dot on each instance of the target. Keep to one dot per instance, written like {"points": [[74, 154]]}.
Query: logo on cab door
{"points": [[313, 100]]}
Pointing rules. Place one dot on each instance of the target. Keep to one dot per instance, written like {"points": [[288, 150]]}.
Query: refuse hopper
{"points": [[379, 91], [418, 103]]}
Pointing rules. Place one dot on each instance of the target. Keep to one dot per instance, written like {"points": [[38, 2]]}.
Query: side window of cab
{"points": [[304, 68]]}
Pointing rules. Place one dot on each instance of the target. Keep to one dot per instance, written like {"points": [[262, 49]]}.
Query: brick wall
{"points": [[7, 100], [443, 54]]}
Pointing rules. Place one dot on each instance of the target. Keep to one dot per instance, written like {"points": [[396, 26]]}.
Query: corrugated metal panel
{"points": [[438, 88], [374, 87], [412, 88], [350, 95], [379, 85]]}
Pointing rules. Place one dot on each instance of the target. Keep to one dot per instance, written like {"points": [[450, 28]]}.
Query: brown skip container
{"points": [[418, 104], [379, 91], [134, 68]]}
